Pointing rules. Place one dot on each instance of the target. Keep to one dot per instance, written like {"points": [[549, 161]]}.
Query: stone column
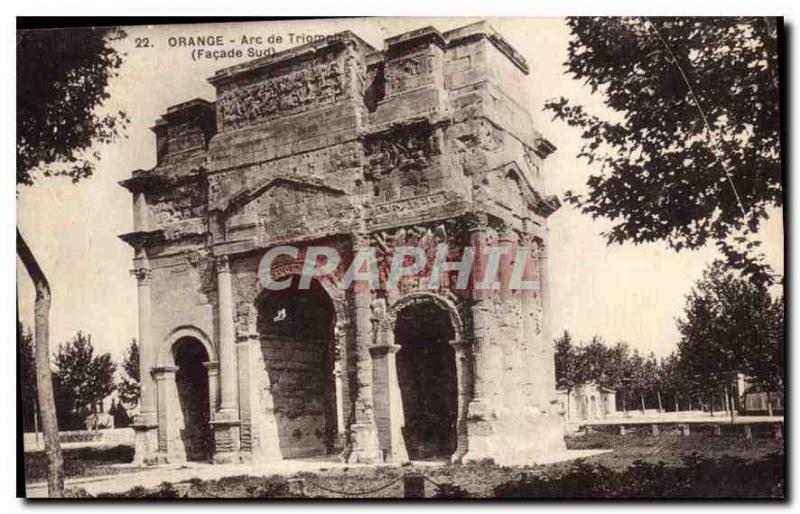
{"points": [[226, 422], [170, 447], [478, 226], [363, 435], [479, 429], [389, 415], [227, 345], [547, 336], [339, 367], [531, 336], [464, 374], [212, 369], [339, 398], [510, 353], [145, 422]]}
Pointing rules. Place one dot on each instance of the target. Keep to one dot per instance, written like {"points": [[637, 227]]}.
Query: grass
{"points": [[641, 465]]}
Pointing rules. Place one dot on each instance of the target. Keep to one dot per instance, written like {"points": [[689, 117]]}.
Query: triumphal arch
{"points": [[425, 144]]}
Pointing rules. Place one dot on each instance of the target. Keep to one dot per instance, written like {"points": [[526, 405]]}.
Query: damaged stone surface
{"points": [[337, 144]]}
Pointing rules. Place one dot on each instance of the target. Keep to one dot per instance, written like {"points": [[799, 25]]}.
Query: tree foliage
{"points": [[638, 381], [689, 146], [62, 80], [82, 379], [732, 325], [568, 364], [128, 383]]}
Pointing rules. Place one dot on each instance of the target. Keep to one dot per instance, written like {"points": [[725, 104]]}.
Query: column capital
{"points": [[222, 264], [506, 233], [212, 366], [381, 350], [164, 372], [142, 275], [529, 240], [539, 249], [476, 221]]}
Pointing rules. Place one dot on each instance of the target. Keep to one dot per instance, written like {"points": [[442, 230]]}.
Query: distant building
{"points": [[588, 401], [753, 399]]}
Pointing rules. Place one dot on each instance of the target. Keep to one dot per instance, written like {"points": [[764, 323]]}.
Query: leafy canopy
{"points": [[732, 325], [128, 384], [82, 379], [62, 79], [663, 175]]}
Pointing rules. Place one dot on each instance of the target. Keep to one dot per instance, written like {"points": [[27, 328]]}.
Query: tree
{"points": [[674, 380], [636, 374], [569, 365], [617, 367], [689, 145], [128, 384], [62, 78], [731, 325], [27, 378], [651, 379], [119, 413], [82, 378]]}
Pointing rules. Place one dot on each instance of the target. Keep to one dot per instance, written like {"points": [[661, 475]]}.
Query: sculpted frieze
{"points": [[314, 85], [409, 148]]}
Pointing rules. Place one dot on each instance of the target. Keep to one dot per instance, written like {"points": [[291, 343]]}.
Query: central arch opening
{"points": [[191, 380], [426, 371], [297, 340]]}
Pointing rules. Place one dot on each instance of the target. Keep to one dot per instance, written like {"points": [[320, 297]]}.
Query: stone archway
{"points": [[185, 395], [428, 375], [298, 341], [194, 402]]}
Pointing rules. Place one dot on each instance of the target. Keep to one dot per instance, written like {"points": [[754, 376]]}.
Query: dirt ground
{"points": [[477, 479]]}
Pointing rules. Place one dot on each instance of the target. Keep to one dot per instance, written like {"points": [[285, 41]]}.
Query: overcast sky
{"points": [[631, 293]]}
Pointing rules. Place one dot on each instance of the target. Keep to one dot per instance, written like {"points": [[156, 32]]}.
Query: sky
{"points": [[630, 293]]}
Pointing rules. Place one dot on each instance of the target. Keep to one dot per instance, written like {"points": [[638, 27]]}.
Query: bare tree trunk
{"points": [[728, 407], [677, 409], [44, 384], [641, 397], [660, 406], [769, 403], [36, 422]]}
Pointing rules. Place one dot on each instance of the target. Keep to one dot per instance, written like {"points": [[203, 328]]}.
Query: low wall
{"points": [[106, 436]]}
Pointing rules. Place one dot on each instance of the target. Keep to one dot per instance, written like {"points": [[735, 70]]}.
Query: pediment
{"points": [[293, 186], [285, 208]]}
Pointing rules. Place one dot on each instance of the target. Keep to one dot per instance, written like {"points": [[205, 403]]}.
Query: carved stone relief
{"points": [[398, 150], [314, 85]]}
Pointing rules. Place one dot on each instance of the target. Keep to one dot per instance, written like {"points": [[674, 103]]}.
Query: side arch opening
{"points": [[191, 381], [426, 372]]}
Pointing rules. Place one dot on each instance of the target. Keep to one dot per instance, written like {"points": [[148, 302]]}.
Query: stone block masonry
{"points": [[333, 143]]}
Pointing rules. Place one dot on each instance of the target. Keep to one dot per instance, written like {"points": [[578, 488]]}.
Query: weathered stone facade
{"points": [[334, 143]]}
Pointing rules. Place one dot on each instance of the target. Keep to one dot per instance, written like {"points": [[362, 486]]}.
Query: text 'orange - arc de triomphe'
{"points": [[337, 144]]}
